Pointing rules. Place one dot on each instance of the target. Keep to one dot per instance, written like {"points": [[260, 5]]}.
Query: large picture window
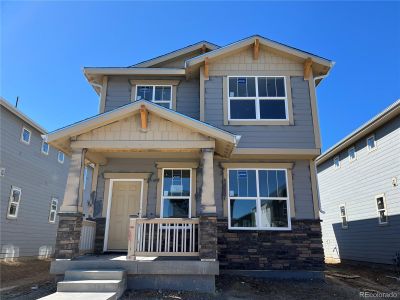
{"points": [[176, 193], [258, 199], [160, 94], [257, 98]]}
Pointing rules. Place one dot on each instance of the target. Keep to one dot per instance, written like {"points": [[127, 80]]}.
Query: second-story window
{"points": [[60, 157], [352, 154], [25, 136], [160, 94], [257, 98], [45, 148], [336, 162], [371, 143]]}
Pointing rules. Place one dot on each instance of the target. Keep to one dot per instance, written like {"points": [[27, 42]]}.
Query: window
{"points": [[60, 157], [258, 199], [381, 208], [343, 216], [160, 94], [257, 98], [352, 154], [371, 143], [15, 199], [53, 210], [176, 193], [336, 162], [45, 147], [25, 136]]}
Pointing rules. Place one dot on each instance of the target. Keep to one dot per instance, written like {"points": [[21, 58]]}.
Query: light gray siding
{"points": [[187, 95], [356, 184], [301, 179], [300, 135], [40, 177]]}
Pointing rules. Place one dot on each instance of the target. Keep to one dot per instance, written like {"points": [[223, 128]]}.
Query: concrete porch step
{"points": [[80, 296], [96, 286], [84, 274]]}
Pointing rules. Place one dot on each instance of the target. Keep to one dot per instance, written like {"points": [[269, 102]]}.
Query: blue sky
{"points": [[44, 46]]}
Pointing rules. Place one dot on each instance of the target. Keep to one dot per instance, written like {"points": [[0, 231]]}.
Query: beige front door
{"points": [[125, 202]]}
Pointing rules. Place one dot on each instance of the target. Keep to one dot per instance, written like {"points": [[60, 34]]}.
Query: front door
{"points": [[125, 202]]}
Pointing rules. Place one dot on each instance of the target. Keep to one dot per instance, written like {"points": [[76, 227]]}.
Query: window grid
{"points": [[257, 98], [258, 199], [176, 197], [169, 102], [14, 203]]}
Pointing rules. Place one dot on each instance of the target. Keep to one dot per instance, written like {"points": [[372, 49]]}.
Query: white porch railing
{"points": [[88, 233], [163, 237]]}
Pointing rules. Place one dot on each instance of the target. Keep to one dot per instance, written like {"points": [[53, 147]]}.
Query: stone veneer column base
{"points": [[68, 235], [297, 249], [208, 237]]}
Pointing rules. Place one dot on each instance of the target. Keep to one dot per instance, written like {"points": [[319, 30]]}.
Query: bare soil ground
{"points": [[343, 281]]}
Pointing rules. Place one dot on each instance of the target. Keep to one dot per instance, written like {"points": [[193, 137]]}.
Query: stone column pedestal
{"points": [[68, 235], [208, 238]]}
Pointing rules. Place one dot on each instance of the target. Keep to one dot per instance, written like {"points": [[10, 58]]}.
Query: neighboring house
{"points": [[359, 189], [206, 151], [33, 177]]}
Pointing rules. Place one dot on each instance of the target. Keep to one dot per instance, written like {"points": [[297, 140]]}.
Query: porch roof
{"points": [[63, 137]]}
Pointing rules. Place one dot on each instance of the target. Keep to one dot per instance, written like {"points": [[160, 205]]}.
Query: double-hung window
{"points": [[45, 147], [257, 98], [53, 210], [336, 162], [381, 209], [25, 136], [13, 205], [160, 94], [371, 143], [176, 193], [343, 216], [352, 154], [258, 199], [60, 157]]}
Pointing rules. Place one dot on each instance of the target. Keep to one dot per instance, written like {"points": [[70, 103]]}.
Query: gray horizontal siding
{"points": [[301, 135], [187, 96], [356, 184], [40, 177]]}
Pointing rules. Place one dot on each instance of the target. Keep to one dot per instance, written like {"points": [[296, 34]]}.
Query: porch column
{"points": [[208, 213], [70, 214]]}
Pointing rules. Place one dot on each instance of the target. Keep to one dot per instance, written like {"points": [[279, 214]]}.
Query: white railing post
{"points": [[132, 239]]}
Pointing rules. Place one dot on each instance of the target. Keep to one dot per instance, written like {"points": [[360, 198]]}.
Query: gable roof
{"points": [[174, 54], [59, 137], [367, 128], [21, 115]]}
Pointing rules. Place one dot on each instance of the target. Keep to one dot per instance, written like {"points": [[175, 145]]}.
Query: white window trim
{"points": [[376, 144], [355, 154], [334, 164], [257, 100], [258, 199], [22, 135], [384, 209], [176, 197], [345, 215], [154, 93], [14, 188], [48, 148], [58, 157], [52, 210]]}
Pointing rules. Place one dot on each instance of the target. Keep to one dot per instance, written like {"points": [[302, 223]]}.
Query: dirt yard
{"points": [[31, 280]]}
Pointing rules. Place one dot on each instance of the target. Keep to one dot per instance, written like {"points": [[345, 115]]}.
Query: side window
{"points": [[381, 209], [336, 162], [343, 216], [371, 143], [25, 136], [352, 154], [14, 202], [257, 98], [53, 210], [45, 148], [60, 157]]}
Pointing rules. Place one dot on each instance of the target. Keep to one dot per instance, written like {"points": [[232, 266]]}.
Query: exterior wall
{"points": [[356, 184], [187, 98], [40, 178], [300, 135]]}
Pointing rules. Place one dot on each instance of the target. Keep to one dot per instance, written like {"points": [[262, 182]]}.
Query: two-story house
{"points": [[205, 153], [359, 188], [33, 177]]}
